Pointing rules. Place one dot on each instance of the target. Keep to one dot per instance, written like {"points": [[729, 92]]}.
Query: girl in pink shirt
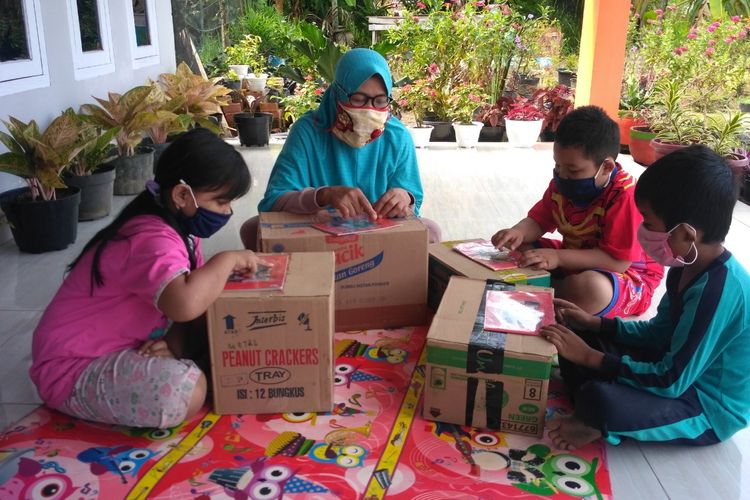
{"points": [[112, 345]]}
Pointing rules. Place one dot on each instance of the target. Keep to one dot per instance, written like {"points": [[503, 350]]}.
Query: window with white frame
{"points": [[90, 37], [144, 39], [23, 56]]}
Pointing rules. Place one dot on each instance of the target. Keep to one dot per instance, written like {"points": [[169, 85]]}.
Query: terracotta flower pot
{"points": [[662, 149], [640, 145], [740, 165], [625, 123]]}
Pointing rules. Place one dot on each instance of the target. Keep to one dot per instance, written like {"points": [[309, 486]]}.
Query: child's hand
{"points": [[540, 258], [155, 349], [507, 238], [572, 316], [246, 262], [572, 347]]}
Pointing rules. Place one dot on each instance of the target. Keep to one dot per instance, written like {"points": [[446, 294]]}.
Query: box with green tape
{"points": [[480, 378], [445, 262]]}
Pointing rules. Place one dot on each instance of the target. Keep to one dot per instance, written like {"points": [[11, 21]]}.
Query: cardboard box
{"points": [[445, 262], [381, 276], [484, 379], [272, 351]]}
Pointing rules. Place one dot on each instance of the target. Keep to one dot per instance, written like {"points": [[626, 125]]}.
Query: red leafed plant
{"points": [[524, 110], [492, 115], [555, 103]]}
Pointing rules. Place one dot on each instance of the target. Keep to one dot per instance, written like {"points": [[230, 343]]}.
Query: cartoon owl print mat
{"points": [[373, 444]]}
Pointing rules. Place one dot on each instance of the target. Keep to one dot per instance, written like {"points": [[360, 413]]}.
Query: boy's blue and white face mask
{"points": [[580, 192], [204, 223]]}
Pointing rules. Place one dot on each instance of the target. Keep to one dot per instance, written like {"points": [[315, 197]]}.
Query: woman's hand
{"points": [[572, 316], [155, 349], [347, 200], [572, 347], [394, 203]]}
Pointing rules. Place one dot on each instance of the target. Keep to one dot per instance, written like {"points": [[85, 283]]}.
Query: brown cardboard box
{"points": [[446, 262], [381, 276], [484, 379], [272, 351]]}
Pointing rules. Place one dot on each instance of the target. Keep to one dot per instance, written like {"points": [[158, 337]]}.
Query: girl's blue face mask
{"points": [[580, 192], [203, 223]]}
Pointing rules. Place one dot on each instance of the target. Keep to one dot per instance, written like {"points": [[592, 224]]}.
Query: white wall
{"points": [[64, 91]]}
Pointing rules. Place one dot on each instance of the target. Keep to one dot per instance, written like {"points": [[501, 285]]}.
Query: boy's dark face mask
{"points": [[580, 192]]}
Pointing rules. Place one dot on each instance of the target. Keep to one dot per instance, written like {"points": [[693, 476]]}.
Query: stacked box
{"points": [[272, 351], [445, 262], [381, 276], [480, 378]]}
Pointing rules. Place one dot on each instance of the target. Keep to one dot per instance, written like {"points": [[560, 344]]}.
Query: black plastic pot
{"points": [[492, 134], [441, 131], [42, 226], [96, 191], [132, 172], [745, 107], [565, 76], [254, 129]]}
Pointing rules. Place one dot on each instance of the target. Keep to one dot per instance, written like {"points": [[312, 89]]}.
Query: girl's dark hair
{"points": [[200, 158]]}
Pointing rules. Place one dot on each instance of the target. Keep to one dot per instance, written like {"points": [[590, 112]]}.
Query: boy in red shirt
{"points": [[599, 264]]}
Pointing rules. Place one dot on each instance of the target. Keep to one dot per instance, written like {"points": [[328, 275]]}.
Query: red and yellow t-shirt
{"points": [[610, 223]]}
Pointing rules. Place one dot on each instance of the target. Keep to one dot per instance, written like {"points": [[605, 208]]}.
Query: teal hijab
{"points": [[313, 157], [354, 68]]}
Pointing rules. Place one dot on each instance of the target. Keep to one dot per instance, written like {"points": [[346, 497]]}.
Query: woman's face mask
{"points": [[358, 127], [656, 244]]}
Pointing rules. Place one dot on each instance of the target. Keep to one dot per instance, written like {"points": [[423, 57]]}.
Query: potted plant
{"points": [[417, 97], [246, 56], [200, 97], [134, 165], [90, 170], [461, 107], [675, 125], [523, 123], [554, 103], [723, 134], [634, 98], [493, 117], [164, 117], [567, 70], [305, 97], [232, 80], [44, 215]]}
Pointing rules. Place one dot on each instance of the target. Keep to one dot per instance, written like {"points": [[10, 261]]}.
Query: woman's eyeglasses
{"points": [[360, 100]]}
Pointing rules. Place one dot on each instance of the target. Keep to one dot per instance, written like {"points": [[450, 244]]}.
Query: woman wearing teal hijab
{"points": [[349, 154]]}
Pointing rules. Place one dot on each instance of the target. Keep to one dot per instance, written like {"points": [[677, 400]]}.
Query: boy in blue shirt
{"points": [[682, 376]]}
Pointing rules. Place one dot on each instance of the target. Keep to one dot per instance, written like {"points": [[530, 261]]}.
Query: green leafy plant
{"points": [[41, 157], [463, 103], [97, 142], [163, 116], [416, 97], [671, 117], [198, 97], [723, 133], [231, 76], [306, 97], [124, 113], [247, 51], [319, 55]]}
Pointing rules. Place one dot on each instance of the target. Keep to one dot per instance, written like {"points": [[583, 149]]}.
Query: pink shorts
{"points": [[631, 296], [127, 388]]}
